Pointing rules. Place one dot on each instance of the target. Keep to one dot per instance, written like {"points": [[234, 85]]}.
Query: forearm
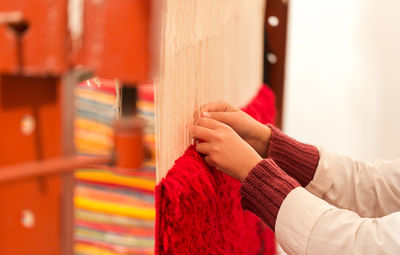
{"points": [[365, 188], [369, 189], [309, 225], [264, 190], [297, 159]]}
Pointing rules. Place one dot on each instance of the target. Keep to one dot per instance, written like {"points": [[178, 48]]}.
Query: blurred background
{"points": [[342, 76], [77, 160], [76, 91]]}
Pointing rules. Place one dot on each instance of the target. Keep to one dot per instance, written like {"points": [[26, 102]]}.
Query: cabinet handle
{"points": [[28, 219]]}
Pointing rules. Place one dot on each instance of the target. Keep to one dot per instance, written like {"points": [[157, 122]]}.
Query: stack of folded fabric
{"points": [[114, 208], [97, 105]]}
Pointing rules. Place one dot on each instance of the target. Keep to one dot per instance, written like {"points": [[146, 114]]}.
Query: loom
{"points": [[197, 53]]}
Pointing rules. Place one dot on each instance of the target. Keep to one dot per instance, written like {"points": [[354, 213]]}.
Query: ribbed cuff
{"points": [[264, 190], [297, 159]]}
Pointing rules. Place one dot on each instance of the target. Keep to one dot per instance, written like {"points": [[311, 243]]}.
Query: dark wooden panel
{"points": [[275, 47]]}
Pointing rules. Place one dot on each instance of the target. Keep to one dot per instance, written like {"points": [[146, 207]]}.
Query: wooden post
{"points": [[275, 50]]}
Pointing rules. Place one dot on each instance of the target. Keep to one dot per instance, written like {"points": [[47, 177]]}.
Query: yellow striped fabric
{"points": [[115, 208]]}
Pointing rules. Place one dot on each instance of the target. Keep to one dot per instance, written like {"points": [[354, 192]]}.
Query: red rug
{"points": [[198, 209]]}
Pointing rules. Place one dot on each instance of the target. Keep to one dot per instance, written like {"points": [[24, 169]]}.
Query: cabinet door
{"points": [[30, 121], [30, 217], [42, 47], [115, 40], [30, 130]]}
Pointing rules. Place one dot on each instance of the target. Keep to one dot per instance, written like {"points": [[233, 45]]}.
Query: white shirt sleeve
{"points": [[369, 189], [307, 224]]}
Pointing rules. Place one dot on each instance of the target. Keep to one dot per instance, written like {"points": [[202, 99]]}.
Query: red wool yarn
{"points": [[262, 107], [198, 209]]}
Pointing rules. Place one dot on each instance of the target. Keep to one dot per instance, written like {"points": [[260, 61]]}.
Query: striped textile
{"points": [[114, 208]]}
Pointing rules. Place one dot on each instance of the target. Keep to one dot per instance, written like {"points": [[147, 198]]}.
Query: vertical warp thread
{"points": [[210, 51]]}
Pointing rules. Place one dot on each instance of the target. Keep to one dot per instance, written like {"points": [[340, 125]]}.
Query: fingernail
{"points": [[206, 115]]}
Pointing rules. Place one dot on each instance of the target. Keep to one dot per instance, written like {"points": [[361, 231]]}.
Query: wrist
{"points": [[297, 159], [265, 189], [252, 163], [262, 138]]}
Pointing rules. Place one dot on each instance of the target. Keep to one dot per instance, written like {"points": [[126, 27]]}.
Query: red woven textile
{"points": [[262, 107], [198, 209]]}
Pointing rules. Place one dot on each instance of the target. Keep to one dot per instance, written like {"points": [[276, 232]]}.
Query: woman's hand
{"points": [[224, 149], [252, 131]]}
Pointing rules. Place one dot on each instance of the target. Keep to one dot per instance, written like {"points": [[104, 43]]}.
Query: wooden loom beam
{"points": [[46, 167], [276, 16]]}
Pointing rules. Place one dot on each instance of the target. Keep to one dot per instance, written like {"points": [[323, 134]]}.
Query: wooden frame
{"points": [[275, 50]]}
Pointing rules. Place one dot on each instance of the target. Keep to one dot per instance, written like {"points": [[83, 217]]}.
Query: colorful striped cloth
{"points": [[97, 104], [114, 208]]}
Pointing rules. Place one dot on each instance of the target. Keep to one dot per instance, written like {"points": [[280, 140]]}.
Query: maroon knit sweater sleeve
{"points": [[297, 159], [264, 190]]}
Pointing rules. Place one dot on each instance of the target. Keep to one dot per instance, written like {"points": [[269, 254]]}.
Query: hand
{"points": [[253, 132], [224, 149]]}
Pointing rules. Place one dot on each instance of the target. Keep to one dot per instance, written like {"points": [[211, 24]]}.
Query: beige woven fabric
{"points": [[209, 50]]}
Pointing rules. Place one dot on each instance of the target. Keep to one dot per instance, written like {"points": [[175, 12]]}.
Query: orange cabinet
{"points": [[36, 212], [30, 217], [30, 130], [30, 119], [42, 48], [115, 40]]}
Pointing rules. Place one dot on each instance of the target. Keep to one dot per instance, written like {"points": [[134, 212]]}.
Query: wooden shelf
{"points": [[48, 167]]}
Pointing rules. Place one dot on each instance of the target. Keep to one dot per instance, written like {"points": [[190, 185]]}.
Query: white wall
{"points": [[343, 76]]}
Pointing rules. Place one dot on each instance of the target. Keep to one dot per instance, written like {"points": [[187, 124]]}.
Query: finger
{"points": [[196, 116], [209, 162], [209, 123], [216, 107], [202, 133], [199, 113], [203, 148], [205, 115], [224, 117]]}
